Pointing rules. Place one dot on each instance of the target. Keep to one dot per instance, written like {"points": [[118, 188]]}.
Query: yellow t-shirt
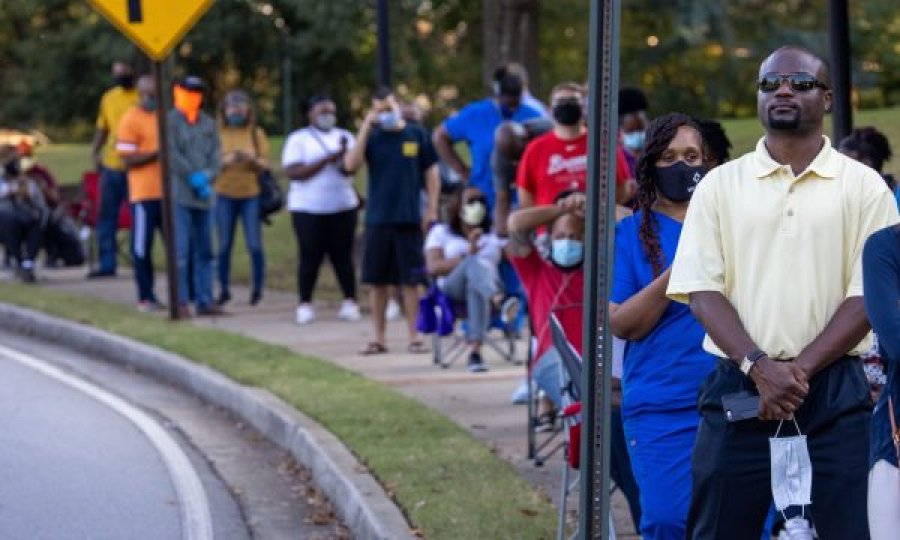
{"points": [[113, 106], [240, 180], [784, 249], [139, 134]]}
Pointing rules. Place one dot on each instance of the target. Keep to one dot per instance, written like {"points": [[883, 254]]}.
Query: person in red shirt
{"points": [[556, 161]]}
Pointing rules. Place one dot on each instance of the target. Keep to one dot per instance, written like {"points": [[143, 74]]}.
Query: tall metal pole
{"points": [[839, 39], [162, 98], [384, 44], [602, 141]]}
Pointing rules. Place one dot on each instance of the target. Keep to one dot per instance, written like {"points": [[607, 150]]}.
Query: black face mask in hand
{"points": [[125, 81], [677, 182]]}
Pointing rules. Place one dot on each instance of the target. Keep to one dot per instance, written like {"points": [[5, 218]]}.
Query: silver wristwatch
{"points": [[750, 359]]}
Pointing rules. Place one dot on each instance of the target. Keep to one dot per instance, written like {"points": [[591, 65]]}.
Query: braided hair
{"points": [[660, 133]]}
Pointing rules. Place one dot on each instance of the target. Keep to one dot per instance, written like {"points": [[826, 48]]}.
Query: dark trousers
{"points": [[731, 469], [228, 212], [113, 192], [22, 231], [325, 234], [147, 219]]}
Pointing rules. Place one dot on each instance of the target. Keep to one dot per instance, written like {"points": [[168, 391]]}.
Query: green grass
{"points": [[448, 484]]}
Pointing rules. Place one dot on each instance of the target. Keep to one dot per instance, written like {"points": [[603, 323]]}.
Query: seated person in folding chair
{"points": [[23, 214], [555, 285], [464, 255]]}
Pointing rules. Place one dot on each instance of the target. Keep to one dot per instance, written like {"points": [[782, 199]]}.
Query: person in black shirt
{"points": [[401, 161]]}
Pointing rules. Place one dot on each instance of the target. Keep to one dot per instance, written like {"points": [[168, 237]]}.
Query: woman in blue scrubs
{"points": [[665, 363]]}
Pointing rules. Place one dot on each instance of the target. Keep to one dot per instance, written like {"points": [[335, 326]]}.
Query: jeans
{"points": [[228, 211], [193, 242], [473, 281], [660, 446], [113, 192], [147, 220]]}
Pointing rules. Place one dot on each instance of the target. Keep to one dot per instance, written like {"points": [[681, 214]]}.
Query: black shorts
{"points": [[393, 255]]}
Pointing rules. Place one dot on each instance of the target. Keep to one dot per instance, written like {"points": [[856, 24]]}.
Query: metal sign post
{"points": [[156, 27], [603, 120], [841, 83], [168, 220]]}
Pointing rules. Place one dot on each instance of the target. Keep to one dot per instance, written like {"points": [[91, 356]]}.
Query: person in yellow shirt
{"points": [[244, 158], [137, 142], [770, 262], [113, 187]]}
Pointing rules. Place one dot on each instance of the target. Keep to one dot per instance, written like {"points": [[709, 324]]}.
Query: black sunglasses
{"points": [[800, 82]]}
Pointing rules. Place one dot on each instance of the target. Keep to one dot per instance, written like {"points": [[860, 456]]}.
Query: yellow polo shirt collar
{"points": [[825, 164]]}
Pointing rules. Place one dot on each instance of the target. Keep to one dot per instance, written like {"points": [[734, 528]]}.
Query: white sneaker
{"points": [[392, 311], [349, 311], [305, 314], [796, 528]]}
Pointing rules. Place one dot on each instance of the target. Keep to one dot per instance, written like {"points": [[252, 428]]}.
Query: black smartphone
{"points": [[740, 406]]}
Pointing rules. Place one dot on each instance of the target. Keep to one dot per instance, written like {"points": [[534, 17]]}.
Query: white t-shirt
{"points": [[490, 246], [328, 191]]}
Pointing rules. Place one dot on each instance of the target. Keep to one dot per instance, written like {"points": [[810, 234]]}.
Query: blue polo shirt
{"points": [[663, 371], [475, 124]]}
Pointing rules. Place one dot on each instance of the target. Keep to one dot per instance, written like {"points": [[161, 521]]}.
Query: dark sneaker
{"points": [[27, 275], [210, 311], [476, 363], [255, 297], [224, 298], [100, 274]]}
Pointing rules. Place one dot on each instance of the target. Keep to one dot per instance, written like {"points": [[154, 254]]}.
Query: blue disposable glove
{"points": [[199, 182]]}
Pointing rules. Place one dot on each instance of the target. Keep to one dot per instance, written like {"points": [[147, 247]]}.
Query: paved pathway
{"points": [[477, 402]]}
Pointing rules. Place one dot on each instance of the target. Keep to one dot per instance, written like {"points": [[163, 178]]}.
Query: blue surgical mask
{"points": [[149, 104], [566, 254], [634, 140], [388, 120], [236, 120]]}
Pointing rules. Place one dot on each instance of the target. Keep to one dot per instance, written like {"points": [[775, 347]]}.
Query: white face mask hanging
{"points": [[791, 469]]}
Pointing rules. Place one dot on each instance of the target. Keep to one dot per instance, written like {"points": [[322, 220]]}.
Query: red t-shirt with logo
{"points": [[551, 165], [550, 290]]}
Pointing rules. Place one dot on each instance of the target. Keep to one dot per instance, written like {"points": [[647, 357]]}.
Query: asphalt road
{"points": [[90, 450]]}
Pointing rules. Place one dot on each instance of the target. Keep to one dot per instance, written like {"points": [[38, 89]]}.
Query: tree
{"points": [[511, 35]]}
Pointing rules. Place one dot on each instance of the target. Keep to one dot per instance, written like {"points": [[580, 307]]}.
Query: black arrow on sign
{"points": [[135, 13]]}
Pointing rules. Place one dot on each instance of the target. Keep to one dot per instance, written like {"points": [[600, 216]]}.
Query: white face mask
{"points": [[791, 470], [326, 121], [473, 213]]}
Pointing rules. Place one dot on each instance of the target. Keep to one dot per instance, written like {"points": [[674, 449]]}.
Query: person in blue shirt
{"points": [[881, 295], [475, 125], [665, 363]]}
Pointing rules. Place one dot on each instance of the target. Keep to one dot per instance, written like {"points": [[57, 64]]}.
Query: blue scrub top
{"points": [[664, 370], [475, 124]]}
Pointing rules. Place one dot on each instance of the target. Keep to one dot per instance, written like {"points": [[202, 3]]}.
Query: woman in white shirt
{"points": [[323, 205], [464, 255]]}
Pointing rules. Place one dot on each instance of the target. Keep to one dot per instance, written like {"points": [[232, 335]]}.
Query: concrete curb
{"points": [[359, 499]]}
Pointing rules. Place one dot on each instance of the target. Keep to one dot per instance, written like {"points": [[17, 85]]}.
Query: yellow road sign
{"points": [[155, 26]]}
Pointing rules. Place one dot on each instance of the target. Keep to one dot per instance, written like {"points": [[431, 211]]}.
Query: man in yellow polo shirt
{"points": [[769, 261], [113, 188]]}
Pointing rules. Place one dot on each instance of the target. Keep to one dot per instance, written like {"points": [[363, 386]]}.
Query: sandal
{"points": [[418, 347], [372, 348]]}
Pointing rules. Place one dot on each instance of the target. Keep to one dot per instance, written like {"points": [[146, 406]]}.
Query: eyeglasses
{"points": [[800, 82]]}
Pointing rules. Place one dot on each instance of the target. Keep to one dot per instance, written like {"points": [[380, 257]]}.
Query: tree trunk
{"points": [[511, 35]]}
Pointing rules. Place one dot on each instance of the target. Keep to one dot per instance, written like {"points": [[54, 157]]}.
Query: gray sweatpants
{"points": [[474, 282]]}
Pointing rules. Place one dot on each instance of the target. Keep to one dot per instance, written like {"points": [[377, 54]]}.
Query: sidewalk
{"points": [[477, 402]]}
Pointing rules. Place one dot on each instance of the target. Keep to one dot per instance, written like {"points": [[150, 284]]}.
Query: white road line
{"points": [[194, 506]]}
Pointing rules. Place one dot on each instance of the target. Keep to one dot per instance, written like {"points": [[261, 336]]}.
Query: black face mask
{"points": [[677, 182], [125, 81], [568, 112], [12, 169]]}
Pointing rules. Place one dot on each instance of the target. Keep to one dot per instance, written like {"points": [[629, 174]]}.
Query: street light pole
{"points": [[841, 81], [384, 44], [603, 125]]}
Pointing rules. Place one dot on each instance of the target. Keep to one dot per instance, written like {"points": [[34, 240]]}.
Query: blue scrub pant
{"points": [[193, 253], [660, 446]]}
